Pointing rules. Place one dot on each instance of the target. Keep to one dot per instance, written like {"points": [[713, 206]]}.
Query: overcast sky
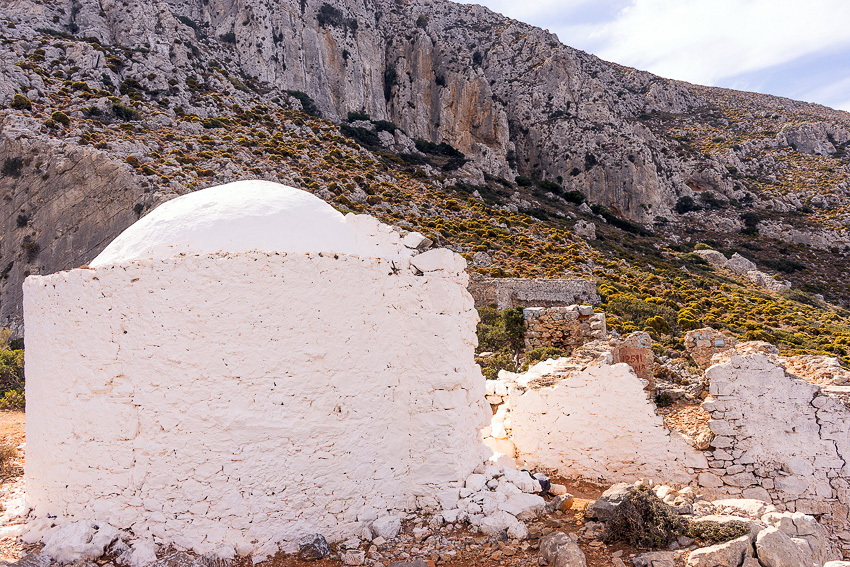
{"points": [[794, 48]]}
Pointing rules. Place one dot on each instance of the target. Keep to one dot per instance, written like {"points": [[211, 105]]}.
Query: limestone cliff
{"points": [[151, 91]]}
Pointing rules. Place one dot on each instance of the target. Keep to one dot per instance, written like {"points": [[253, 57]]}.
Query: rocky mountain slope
{"points": [[482, 131]]}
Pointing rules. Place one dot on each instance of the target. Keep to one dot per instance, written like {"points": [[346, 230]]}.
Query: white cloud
{"points": [[732, 43], [531, 11], [836, 95], [703, 41]]}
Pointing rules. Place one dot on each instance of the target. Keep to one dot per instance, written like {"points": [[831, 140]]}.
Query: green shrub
{"points": [[709, 533], [523, 181], [639, 311], [12, 166], [644, 521], [692, 258], [7, 454], [124, 112], [355, 116], [575, 197], [663, 400], [498, 330], [686, 204], [501, 360], [658, 324], [60, 118], [13, 400], [799, 296], [308, 105], [532, 357], [11, 370], [616, 221], [20, 102]]}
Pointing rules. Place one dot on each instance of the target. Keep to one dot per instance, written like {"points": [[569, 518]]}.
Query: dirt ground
{"points": [[461, 548]]}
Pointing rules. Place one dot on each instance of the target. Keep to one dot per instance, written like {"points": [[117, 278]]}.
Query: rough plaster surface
{"points": [[242, 399], [250, 215], [598, 423]]}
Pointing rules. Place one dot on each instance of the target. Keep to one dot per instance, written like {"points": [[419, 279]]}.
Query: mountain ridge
{"points": [[154, 99]]}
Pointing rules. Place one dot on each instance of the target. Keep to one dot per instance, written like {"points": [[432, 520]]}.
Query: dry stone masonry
{"points": [[515, 292], [779, 438], [562, 327], [231, 401]]}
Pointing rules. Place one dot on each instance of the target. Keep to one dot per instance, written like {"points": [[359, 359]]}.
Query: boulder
{"points": [[387, 527], [806, 533], [499, 522], [738, 264], [354, 557], [704, 343], [523, 506], [559, 550], [79, 541], [409, 563], [745, 506], [34, 559], [775, 549], [312, 547], [585, 229], [603, 509], [766, 281], [655, 559], [726, 554], [713, 257]]}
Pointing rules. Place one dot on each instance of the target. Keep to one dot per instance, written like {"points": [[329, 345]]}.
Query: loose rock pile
{"points": [[774, 539]]}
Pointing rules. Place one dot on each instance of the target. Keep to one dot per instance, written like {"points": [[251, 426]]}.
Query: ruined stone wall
{"points": [[513, 292], [779, 438], [244, 399], [562, 327], [596, 422]]}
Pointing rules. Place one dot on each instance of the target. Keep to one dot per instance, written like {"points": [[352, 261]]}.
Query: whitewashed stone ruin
{"points": [[244, 366]]}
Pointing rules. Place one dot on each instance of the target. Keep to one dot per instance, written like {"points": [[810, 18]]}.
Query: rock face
{"points": [[75, 201], [509, 96]]}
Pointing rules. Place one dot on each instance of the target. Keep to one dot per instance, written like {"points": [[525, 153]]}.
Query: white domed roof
{"points": [[249, 215]]}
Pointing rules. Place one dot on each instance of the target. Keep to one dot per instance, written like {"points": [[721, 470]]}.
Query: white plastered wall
{"points": [[241, 399], [599, 424]]}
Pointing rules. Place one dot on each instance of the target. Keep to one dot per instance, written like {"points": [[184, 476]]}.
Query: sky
{"points": [[794, 48]]}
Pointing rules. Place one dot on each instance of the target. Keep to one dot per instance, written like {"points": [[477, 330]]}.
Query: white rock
{"points": [[356, 557], [749, 507], [726, 553], [439, 259], [387, 527], [523, 506], [557, 489], [476, 482], [79, 541]]}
